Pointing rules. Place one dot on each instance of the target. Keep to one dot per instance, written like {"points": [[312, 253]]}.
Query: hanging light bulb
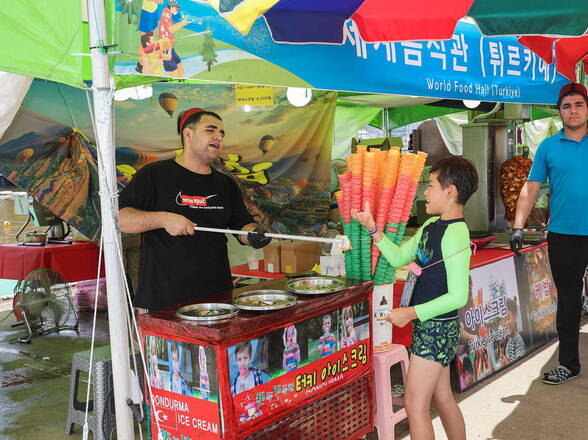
{"points": [[471, 104], [298, 96]]}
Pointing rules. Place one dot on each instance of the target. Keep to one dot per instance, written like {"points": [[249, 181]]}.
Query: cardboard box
{"points": [[299, 256], [271, 257]]}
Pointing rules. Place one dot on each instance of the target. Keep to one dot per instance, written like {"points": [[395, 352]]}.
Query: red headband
{"points": [[185, 115]]}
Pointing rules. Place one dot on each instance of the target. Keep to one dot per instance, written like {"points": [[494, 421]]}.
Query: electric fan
{"points": [[43, 300]]}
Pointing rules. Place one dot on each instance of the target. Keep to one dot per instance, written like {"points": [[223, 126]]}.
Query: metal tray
{"points": [[315, 285], [265, 300], [207, 312]]}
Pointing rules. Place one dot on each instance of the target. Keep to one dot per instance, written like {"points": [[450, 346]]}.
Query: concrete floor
{"points": [[514, 404]]}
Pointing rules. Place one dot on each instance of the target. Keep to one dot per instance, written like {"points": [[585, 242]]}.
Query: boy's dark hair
{"points": [[458, 171], [512, 306], [192, 120], [466, 365], [242, 346]]}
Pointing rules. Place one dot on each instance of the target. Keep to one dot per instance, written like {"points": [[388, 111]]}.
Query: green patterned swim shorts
{"points": [[435, 340]]}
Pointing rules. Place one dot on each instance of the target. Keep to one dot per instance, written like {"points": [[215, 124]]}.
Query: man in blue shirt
{"points": [[563, 160]]}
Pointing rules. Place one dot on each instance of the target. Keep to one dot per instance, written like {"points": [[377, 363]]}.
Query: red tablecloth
{"points": [[242, 270], [76, 262]]}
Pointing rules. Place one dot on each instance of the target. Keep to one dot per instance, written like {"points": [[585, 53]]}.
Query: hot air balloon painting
{"points": [[24, 155], [168, 102]]}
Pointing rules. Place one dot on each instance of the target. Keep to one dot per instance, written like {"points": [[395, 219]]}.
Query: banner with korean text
{"points": [[289, 366], [192, 40], [510, 312]]}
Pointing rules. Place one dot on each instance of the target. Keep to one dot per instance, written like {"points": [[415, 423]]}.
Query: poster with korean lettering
{"points": [[191, 40], [492, 333], [184, 386], [298, 362], [538, 296]]}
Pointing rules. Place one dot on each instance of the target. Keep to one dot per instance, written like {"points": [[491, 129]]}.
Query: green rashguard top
{"points": [[444, 287]]}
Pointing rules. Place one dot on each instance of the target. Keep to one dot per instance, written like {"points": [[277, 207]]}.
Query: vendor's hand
{"points": [[516, 240], [176, 224], [364, 217], [257, 238], [402, 316]]}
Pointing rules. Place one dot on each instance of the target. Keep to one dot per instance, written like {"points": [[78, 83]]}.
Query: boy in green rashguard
{"points": [[441, 248]]}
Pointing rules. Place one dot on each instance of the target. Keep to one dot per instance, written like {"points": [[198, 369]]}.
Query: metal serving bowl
{"points": [[315, 285], [207, 312], [264, 300]]}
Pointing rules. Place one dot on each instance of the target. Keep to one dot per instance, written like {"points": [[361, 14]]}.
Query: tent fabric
{"points": [[384, 101], [530, 17], [13, 88], [568, 52], [450, 128], [40, 38], [309, 21], [399, 117], [534, 132], [406, 20], [348, 121]]}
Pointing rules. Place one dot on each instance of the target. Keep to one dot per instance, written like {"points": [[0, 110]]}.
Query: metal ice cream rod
{"points": [[340, 240]]}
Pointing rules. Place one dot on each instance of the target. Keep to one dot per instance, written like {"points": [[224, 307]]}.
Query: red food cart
{"points": [[303, 372]]}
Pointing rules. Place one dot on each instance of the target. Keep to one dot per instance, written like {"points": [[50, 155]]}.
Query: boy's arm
{"points": [[399, 256], [457, 268]]}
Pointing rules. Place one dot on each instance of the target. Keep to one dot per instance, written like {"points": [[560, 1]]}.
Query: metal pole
{"points": [[104, 126], [270, 235]]}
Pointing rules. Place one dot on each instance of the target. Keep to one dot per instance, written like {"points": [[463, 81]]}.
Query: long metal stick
{"points": [[267, 234]]}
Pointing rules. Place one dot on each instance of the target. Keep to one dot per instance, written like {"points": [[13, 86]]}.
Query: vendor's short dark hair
{"points": [[458, 171], [242, 346], [193, 120]]}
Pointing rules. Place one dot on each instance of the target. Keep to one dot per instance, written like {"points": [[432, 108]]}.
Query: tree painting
{"points": [[207, 51]]}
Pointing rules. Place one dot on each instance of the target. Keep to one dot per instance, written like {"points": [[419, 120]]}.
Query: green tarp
{"points": [[39, 39]]}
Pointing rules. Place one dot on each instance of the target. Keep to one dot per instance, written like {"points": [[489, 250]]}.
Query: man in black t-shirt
{"points": [[166, 199]]}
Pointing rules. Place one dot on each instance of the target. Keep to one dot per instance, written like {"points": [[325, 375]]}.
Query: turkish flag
{"points": [[167, 418]]}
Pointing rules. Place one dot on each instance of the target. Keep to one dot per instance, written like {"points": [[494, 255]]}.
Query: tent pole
{"points": [[117, 318]]}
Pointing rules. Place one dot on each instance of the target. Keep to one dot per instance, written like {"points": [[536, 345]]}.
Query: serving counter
{"points": [[304, 372]]}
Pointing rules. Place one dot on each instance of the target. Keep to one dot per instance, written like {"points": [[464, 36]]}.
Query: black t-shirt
{"points": [[180, 269]]}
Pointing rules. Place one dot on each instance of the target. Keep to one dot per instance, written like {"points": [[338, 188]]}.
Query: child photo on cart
{"points": [[247, 362], [155, 350], [288, 349], [354, 324], [323, 336], [291, 355], [178, 353]]}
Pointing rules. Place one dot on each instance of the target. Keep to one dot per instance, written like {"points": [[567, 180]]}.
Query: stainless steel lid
{"points": [[265, 300], [207, 312], [315, 285]]}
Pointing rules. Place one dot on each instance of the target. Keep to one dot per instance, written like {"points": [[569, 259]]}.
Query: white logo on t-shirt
{"points": [[193, 201]]}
